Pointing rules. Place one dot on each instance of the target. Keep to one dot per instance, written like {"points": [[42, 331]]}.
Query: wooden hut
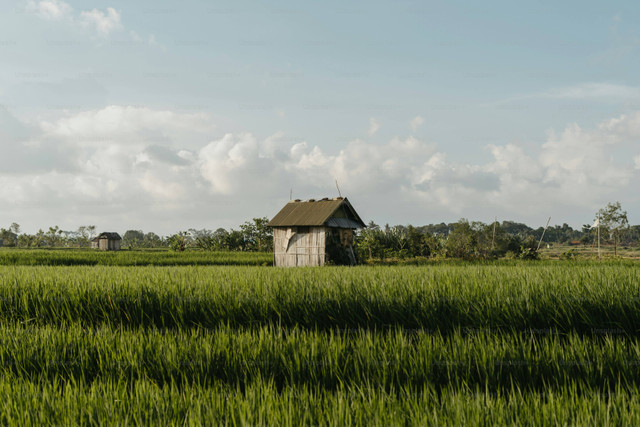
{"points": [[314, 233], [107, 242]]}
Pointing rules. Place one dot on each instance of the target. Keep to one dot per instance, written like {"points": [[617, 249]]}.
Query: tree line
{"points": [[252, 236], [461, 239]]}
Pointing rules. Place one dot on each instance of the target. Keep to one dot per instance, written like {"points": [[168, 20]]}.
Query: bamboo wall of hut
{"points": [[299, 246]]}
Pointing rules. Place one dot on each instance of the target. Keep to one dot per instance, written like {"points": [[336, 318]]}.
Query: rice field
{"points": [[71, 257], [497, 343]]}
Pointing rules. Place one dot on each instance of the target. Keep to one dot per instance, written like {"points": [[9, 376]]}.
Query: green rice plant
{"points": [[301, 358], [486, 343], [29, 403], [76, 257], [588, 298]]}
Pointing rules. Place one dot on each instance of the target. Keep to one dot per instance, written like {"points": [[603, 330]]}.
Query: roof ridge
{"points": [[312, 212]]}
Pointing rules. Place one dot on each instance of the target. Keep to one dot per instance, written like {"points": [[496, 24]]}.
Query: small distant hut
{"points": [[107, 242], [314, 233]]}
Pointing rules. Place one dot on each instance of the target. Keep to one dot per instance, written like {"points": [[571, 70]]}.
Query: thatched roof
{"points": [[336, 212], [108, 235]]}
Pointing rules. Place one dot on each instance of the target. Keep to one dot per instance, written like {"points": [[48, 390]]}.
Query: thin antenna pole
{"points": [[543, 231], [291, 194], [339, 193]]}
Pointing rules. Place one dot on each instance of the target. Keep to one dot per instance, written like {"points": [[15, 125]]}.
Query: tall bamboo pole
{"points": [[598, 237], [543, 231], [493, 238]]}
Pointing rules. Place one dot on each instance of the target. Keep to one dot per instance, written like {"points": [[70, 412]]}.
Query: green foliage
{"points": [[9, 236], [133, 239], [529, 249], [614, 221], [463, 240], [178, 242], [257, 236], [82, 237], [152, 240], [398, 241], [253, 236], [571, 254]]}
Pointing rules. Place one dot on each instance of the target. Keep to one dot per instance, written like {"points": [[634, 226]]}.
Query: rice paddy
{"points": [[497, 343]]}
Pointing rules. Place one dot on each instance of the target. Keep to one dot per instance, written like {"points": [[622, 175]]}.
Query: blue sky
{"points": [[164, 116]]}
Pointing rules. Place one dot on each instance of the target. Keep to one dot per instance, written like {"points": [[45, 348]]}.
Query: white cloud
{"points": [[416, 122], [626, 127], [373, 126], [162, 170], [159, 188], [52, 10], [118, 122], [223, 160], [103, 23]]}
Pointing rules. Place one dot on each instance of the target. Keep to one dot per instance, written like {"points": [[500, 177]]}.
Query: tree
{"points": [[152, 240], [257, 236], [10, 235], [133, 238], [54, 236], [203, 239], [421, 243], [516, 229], [220, 237], [529, 248], [587, 235], [26, 241], [8, 238], [462, 241], [615, 221], [178, 242], [234, 240], [370, 242], [84, 234], [39, 239]]}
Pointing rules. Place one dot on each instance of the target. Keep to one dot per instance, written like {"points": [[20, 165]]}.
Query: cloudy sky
{"points": [[164, 116]]}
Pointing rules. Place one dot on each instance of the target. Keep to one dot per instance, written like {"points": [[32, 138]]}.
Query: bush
{"points": [[571, 254]]}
